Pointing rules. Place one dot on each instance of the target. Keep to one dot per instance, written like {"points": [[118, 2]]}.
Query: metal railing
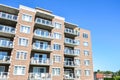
{"points": [[40, 76], [6, 43], [71, 52], [43, 47], [3, 75], [44, 22], [7, 29], [71, 31], [72, 41], [70, 63], [8, 16], [41, 61], [4, 59], [71, 76], [42, 33]]}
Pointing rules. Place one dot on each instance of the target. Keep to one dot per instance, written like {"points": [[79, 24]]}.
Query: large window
{"points": [[78, 72], [57, 36], [23, 42], [57, 47], [77, 61], [87, 72], [86, 53], [25, 29], [26, 17], [21, 55], [57, 58], [85, 35], [19, 70], [87, 62], [58, 25], [56, 71], [3, 55]]}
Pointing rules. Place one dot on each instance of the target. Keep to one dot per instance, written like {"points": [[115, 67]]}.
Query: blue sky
{"points": [[101, 17]]}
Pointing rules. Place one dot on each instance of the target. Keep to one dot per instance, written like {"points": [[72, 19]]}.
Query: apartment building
{"points": [[35, 44]]}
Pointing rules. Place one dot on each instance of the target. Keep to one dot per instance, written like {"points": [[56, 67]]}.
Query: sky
{"points": [[101, 17]]}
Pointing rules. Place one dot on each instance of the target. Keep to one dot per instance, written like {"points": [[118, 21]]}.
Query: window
{"points": [[57, 47], [77, 61], [57, 36], [21, 55], [56, 58], [85, 44], [85, 35], [87, 72], [78, 72], [86, 53], [19, 70], [56, 71], [25, 29], [87, 62], [23, 42], [58, 25], [26, 17]]}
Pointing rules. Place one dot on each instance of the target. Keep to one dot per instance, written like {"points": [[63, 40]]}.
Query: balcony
{"points": [[40, 76], [44, 24], [43, 35], [6, 44], [71, 32], [8, 18], [70, 64], [41, 61], [3, 75], [70, 76], [7, 31], [70, 52], [71, 42], [42, 48], [4, 59]]}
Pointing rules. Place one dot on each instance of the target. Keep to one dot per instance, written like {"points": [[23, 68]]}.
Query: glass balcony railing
{"points": [[72, 41], [42, 33], [40, 61], [40, 76], [8, 16], [71, 52], [4, 59], [70, 76], [70, 63], [44, 22], [6, 43], [3, 75], [42, 47], [7, 29], [71, 31]]}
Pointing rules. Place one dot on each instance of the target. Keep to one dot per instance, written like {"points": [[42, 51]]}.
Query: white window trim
{"points": [[57, 55], [27, 15], [60, 71], [86, 60], [57, 23], [23, 38], [86, 42], [19, 74], [26, 26], [88, 70], [21, 51], [88, 52], [58, 44]]}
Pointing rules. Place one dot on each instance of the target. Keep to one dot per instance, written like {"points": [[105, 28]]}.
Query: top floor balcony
{"points": [[71, 42], [71, 32], [7, 31], [8, 19], [45, 24], [43, 35]]}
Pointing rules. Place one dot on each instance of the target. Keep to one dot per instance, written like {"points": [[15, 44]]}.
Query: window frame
{"points": [[19, 74]]}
